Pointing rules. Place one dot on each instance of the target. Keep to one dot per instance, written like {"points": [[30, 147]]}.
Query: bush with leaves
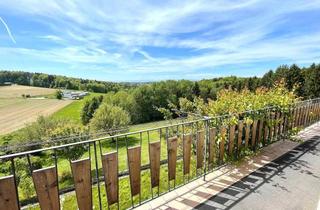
{"points": [[58, 94], [109, 117]]}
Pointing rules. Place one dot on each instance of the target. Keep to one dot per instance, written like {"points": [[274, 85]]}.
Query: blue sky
{"points": [[157, 40]]}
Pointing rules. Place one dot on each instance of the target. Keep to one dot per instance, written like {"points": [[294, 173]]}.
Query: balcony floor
{"points": [[285, 175]]}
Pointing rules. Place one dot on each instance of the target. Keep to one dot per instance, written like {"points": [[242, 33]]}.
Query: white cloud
{"points": [[215, 33], [8, 30]]}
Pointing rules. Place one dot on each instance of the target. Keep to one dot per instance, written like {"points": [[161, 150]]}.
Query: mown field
{"points": [[16, 111], [16, 91]]}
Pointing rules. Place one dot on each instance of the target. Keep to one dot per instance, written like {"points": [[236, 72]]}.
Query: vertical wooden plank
{"points": [[231, 139], [8, 194], [154, 157], [186, 153], [134, 160], [247, 135], [45, 182], [306, 116], [172, 157], [254, 133], [266, 134], [110, 172], [285, 123], [223, 134], [276, 124], [294, 117], [212, 144], [297, 117], [81, 172], [271, 129], [240, 134], [260, 132], [200, 149]]}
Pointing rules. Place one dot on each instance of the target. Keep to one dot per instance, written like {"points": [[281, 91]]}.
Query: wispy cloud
{"points": [[8, 30], [169, 37]]}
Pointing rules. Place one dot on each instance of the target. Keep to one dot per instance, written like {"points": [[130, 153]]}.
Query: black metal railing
{"points": [[225, 138]]}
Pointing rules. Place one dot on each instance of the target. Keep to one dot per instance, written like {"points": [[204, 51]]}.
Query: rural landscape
{"points": [[169, 105], [47, 118]]}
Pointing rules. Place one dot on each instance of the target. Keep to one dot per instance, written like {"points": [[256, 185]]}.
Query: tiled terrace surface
{"points": [[226, 187]]}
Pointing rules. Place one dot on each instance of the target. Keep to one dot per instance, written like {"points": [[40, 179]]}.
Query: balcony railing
{"points": [[149, 162]]}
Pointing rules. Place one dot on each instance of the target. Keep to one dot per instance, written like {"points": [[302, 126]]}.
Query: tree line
{"points": [[141, 101], [63, 82]]}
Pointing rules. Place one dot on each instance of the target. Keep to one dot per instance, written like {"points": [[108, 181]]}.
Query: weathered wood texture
{"points": [[154, 157], [212, 145], [271, 127], [247, 135], [231, 139], [8, 194], [81, 172], [223, 136], [276, 125], [172, 157], [110, 171], [266, 134], [200, 148], [254, 133], [45, 181], [240, 134], [260, 130], [134, 160], [186, 153]]}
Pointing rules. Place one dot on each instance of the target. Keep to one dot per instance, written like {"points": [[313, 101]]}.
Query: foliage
{"points": [[109, 117], [55, 81], [45, 129], [58, 94], [89, 107], [233, 102]]}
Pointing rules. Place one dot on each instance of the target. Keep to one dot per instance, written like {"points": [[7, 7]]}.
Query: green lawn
{"points": [[73, 110]]}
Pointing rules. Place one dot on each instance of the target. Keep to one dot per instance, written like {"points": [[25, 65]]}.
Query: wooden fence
{"points": [[207, 143]]}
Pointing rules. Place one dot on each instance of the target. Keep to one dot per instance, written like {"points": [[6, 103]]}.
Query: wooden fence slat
{"points": [[260, 132], [265, 133], [8, 194], [294, 117], [81, 171], [247, 135], [231, 139], [282, 123], [276, 124], [110, 171], [45, 181], [200, 149], [172, 157], [271, 127], [186, 153], [254, 133], [212, 145], [134, 160], [223, 133], [154, 157], [240, 134]]}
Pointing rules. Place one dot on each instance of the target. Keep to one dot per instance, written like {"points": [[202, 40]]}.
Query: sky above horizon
{"points": [[157, 40]]}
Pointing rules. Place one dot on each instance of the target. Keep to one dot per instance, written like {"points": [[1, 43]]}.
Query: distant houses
{"points": [[74, 95]]}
